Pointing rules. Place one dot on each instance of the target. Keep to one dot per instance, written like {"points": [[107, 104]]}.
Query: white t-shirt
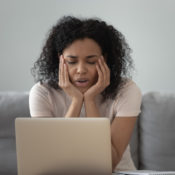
{"points": [[45, 101]]}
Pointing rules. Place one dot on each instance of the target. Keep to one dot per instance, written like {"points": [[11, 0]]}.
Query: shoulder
{"points": [[40, 102], [128, 101], [41, 88], [45, 91], [129, 88]]}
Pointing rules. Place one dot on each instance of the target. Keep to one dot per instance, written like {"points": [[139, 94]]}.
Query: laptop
{"points": [[63, 146]]}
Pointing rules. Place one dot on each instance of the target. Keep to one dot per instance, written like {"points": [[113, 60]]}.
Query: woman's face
{"points": [[81, 57]]}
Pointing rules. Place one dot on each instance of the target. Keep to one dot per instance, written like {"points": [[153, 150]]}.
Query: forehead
{"points": [[83, 47]]}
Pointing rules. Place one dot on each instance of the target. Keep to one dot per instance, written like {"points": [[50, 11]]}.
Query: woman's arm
{"points": [[75, 95], [92, 111], [74, 108], [91, 108], [115, 157], [121, 131]]}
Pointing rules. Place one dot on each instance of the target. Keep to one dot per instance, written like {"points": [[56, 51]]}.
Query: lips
{"points": [[82, 82]]}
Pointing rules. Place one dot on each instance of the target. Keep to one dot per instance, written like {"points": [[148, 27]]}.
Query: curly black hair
{"points": [[68, 29]]}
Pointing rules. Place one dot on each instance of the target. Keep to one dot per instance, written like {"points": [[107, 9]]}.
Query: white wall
{"points": [[148, 25]]}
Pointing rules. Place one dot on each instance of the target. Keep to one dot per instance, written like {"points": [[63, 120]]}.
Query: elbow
{"points": [[114, 164], [115, 158]]}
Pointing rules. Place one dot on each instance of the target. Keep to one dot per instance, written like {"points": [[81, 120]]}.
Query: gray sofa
{"points": [[152, 143]]}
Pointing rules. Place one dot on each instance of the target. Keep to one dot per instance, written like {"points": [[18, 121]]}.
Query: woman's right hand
{"points": [[65, 83]]}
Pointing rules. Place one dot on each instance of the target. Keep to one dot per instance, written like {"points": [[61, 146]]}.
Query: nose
{"points": [[81, 68]]}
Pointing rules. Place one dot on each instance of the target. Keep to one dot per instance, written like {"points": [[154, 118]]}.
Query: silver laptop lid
{"points": [[48, 146]]}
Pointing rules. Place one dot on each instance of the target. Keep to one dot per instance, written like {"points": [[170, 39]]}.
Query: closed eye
{"points": [[74, 62], [91, 62], [71, 62]]}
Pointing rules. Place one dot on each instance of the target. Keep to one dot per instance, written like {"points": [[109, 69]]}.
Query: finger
{"points": [[62, 71], [104, 64], [102, 70], [107, 70], [100, 75], [106, 67], [59, 71], [66, 79]]}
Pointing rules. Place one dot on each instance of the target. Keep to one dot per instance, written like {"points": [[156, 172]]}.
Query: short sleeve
{"points": [[39, 102], [128, 102]]}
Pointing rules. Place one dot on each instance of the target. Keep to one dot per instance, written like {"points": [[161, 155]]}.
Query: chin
{"points": [[83, 90]]}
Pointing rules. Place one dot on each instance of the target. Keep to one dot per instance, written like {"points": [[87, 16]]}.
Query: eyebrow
{"points": [[75, 57]]}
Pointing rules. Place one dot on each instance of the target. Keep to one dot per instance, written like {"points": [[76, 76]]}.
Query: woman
{"points": [[84, 71]]}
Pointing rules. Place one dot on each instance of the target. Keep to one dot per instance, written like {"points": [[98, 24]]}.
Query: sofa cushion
{"points": [[8, 163], [12, 105], [157, 132], [134, 145]]}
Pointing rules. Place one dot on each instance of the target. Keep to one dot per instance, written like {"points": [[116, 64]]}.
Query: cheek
{"points": [[94, 74], [70, 72]]}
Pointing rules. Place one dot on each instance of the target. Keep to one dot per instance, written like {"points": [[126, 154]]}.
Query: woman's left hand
{"points": [[102, 82]]}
